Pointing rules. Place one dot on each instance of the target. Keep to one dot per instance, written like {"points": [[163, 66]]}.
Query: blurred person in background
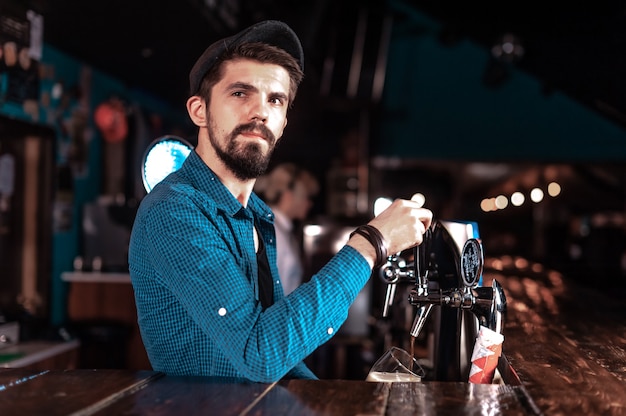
{"points": [[288, 190]]}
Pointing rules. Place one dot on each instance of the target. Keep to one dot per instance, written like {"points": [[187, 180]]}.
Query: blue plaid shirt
{"points": [[194, 272]]}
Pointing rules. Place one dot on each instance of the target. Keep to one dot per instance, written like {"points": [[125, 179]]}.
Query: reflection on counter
{"points": [[125, 392], [41, 355]]}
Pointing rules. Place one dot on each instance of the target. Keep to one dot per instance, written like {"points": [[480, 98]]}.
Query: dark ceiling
{"points": [[577, 47], [152, 45]]}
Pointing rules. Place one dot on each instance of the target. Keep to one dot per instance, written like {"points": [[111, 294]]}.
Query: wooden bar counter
{"points": [[566, 342], [564, 354], [118, 392]]}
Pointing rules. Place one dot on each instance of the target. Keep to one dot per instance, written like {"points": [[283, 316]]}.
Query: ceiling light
{"points": [[508, 48]]}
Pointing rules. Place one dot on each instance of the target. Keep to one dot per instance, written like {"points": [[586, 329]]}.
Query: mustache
{"points": [[255, 128]]}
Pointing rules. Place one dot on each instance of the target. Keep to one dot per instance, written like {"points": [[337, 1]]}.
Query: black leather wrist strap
{"points": [[375, 238]]}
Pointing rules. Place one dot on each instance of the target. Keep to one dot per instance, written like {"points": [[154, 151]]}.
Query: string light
{"points": [[518, 199], [501, 202], [536, 195], [554, 189], [380, 205], [488, 204]]}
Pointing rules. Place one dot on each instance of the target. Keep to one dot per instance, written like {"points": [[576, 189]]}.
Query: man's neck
{"points": [[240, 189]]}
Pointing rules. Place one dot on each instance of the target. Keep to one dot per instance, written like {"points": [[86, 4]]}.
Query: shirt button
{"points": [[330, 331], [221, 312], [271, 240], [278, 281]]}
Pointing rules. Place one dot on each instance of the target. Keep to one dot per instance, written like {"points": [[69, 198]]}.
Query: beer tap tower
{"points": [[446, 270]]}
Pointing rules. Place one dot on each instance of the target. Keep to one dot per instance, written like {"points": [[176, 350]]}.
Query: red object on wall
{"points": [[110, 118]]}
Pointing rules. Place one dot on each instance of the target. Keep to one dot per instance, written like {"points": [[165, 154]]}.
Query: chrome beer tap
{"points": [[446, 273], [392, 272], [488, 304], [421, 255]]}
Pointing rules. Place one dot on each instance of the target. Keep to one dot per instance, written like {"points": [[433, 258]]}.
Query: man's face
{"points": [[247, 114]]}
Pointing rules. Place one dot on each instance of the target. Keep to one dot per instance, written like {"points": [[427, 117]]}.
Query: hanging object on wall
{"points": [[7, 186], [111, 121], [21, 37]]}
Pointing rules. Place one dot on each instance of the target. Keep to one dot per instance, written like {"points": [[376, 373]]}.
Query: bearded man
{"points": [[202, 254]]}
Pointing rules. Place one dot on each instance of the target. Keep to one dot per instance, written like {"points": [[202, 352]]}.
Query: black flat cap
{"points": [[272, 32]]}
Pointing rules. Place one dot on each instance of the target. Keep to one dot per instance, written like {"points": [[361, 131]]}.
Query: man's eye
{"points": [[277, 101]]}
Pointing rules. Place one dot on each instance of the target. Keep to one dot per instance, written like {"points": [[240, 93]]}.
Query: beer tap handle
{"points": [[389, 295], [421, 255], [417, 264], [390, 273]]}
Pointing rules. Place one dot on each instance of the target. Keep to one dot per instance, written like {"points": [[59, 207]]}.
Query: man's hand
{"points": [[402, 225]]}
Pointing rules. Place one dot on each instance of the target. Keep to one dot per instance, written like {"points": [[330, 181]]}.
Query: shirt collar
{"points": [[205, 180]]}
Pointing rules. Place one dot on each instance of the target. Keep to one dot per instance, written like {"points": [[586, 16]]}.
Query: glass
{"points": [[396, 365]]}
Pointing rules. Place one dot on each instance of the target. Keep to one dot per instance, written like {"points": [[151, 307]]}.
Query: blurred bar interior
{"points": [[515, 126]]}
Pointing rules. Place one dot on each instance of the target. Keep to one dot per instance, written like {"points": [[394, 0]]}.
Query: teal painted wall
{"points": [[83, 88], [435, 106]]}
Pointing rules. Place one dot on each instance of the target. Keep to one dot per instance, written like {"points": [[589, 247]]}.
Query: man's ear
{"points": [[196, 107]]}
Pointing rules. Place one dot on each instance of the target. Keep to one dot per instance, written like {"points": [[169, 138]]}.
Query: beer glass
{"points": [[396, 365]]}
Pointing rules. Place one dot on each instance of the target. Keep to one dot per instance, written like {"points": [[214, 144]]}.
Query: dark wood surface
{"points": [[29, 392], [564, 354], [565, 341], [118, 392], [188, 396]]}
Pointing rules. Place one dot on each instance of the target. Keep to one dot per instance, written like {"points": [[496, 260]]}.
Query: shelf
{"points": [[28, 353], [95, 277]]}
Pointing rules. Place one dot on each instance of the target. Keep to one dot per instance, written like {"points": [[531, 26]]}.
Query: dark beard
{"points": [[245, 161]]}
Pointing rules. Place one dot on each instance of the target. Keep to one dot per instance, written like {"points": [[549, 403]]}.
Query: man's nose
{"points": [[259, 110]]}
